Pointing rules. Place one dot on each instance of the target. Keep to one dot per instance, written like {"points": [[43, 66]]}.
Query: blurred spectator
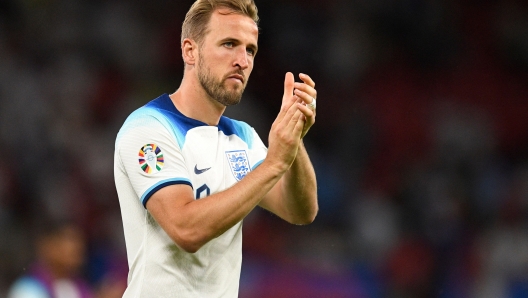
{"points": [[60, 250]]}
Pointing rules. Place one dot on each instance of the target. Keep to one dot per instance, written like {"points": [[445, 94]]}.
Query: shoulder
{"points": [[144, 116], [235, 127], [150, 117], [159, 116]]}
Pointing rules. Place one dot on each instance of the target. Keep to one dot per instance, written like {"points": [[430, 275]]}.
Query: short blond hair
{"points": [[196, 20]]}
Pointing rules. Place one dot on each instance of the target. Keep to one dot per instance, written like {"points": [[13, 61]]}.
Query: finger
{"points": [[307, 80], [309, 118], [287, 98], [307, 111], [287, 112], [289, 82], [296, 123], [306, 89], [305, 97], [308, 85], [291, 113]]}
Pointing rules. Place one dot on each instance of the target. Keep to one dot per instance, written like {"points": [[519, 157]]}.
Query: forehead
{"points": [[225, 24]]}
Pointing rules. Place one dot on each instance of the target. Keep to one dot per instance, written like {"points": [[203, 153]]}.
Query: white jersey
{"points": [[158, 146]]}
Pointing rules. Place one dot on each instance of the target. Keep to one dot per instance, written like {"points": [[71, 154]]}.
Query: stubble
{"points": [[216, 88]]}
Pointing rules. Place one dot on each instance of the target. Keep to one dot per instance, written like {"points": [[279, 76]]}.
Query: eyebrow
{"points": [[252, 46]]}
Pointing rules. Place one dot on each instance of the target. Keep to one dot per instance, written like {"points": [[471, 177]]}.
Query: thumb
{"points": [[288, 87]]}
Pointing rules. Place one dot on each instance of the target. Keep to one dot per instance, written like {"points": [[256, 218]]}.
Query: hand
{"points": [[292, 122], [306, 93]]}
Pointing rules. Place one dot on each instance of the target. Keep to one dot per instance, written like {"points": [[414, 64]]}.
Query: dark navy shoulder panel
{"points": [[165, 105], [183, 123], [239, 128]]}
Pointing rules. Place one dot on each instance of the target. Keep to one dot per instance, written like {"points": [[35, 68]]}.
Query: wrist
{"points": [[275, 168]]}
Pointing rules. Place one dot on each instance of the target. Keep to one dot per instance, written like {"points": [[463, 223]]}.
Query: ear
{"points": [[189, 51]]}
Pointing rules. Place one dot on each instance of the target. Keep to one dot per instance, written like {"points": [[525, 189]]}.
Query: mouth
{"points": [[237, 77]]}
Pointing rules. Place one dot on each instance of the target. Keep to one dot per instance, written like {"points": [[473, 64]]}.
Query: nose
{"points": [[241, 59]]}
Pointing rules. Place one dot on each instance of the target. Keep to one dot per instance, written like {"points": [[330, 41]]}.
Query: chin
{"points": [[233, 102]]}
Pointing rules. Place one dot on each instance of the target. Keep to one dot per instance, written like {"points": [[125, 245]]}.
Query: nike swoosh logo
{"points": [[198, 172]]}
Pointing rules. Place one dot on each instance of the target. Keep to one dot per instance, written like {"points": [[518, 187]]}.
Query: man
{"points": [[186, 176]]}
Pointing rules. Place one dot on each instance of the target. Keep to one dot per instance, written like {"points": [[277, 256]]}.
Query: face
{"points": [[64, 252], [226, 56]]}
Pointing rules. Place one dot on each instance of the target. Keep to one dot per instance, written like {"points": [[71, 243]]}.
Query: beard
{"points": [[216, 88]]}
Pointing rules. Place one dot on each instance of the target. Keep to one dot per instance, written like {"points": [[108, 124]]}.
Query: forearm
{"points": [[299, 188], [294, 198], [199, 221]]}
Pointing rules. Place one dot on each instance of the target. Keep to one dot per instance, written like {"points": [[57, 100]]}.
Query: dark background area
{"points": [[420, 145]]}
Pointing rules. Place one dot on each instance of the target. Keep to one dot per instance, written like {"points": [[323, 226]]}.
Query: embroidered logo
{"points": [[239, 163], [199, 171], [151, 159]]}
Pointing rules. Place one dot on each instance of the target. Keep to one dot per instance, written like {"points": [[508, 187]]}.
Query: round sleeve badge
{"points": [[151, 159]]}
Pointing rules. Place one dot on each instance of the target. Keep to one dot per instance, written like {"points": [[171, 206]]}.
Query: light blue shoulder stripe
{"points": [[240, 128], [146, 113]]}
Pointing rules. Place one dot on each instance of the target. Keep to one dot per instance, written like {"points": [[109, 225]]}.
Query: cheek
{"points": [[248, 70]]}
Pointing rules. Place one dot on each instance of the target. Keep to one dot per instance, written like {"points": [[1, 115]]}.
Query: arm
{"points": [[192, 223], [294, 197]]}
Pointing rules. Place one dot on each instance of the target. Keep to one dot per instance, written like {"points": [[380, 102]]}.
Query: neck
{"points": [[192, 101]]}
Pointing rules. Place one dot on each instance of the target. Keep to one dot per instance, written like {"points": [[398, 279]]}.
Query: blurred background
{"points": [[420, 145]]}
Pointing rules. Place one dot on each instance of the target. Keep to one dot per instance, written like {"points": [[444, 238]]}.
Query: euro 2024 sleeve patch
{"points": [[239, 163], [151, 158]]}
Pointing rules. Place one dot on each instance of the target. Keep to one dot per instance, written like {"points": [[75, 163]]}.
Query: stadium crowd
{"points": [[420, 145]]}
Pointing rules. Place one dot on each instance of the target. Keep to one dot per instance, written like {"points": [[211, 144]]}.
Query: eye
{"points": [[228, 44], [250, 51]]}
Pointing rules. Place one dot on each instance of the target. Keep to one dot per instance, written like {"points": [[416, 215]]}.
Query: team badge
{"points": [[151, 159], [239, 163]]}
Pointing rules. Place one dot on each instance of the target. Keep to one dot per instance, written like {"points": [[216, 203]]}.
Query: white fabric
{"points": [[205, 157], [65, 288]]}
